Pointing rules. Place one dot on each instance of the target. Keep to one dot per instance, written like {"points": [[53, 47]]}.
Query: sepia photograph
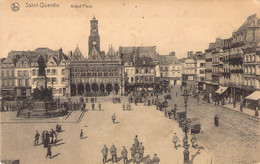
{"points": [[129, 81]]}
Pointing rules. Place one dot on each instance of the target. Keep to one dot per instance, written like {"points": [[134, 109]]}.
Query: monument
{"points": [[41, 104]]}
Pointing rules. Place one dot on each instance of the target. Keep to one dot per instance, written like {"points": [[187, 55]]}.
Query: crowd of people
{"points": [[48, 139], [137, 154]]}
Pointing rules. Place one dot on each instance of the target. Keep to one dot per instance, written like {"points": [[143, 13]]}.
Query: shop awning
{"points": [[221, 89], [254, 96]]}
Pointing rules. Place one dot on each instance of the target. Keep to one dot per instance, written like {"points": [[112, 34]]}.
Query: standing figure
{"points": [[175, 140], [133, 151], [136, 142], [176, 94], [43, 137], [148, 160], [57, 128], [123, 106], [156, 159], [104, 152], [193, 140], [93, 106], [99, 106], [36, 138], [49, 153], [216, 120], [141, 150], [124, 155], [81, 134], [137, 159], [113, 153], [114, 118]]}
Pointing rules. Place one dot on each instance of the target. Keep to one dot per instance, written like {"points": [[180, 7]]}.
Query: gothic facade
{"points": [[100, 73]]}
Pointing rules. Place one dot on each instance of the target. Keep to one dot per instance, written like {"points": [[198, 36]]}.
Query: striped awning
{"points": [[221, 89], [254, 96]]}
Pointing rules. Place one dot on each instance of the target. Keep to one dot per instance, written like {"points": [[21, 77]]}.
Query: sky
{"points": [[170, 25]]}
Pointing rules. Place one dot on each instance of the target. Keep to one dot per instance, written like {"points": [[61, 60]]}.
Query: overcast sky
{"points": [[178, 26]]}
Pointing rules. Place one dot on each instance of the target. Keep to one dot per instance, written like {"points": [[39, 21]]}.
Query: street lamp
{"points": [[185, 140]]}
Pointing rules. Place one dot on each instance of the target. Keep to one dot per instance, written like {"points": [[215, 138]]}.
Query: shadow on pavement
{"points": [[55, 155], [196, 154]]}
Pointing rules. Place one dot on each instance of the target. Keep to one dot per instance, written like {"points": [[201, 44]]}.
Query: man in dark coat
{"points": [[133, 151], [93, 106], [216, 120], [141, 150], [36, 138], [124, 155], [49, 153], [136, 142], [104, 152], [148, 160], [113, 153]]}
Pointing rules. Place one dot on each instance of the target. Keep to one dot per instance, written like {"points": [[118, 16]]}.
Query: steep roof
{"points": [[144, 61], [250, 22], [167, 59], [77, 55], [143, 51]]}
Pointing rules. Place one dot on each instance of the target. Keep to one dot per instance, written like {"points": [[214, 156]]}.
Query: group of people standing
{"points": [[49, 138], [137, 154]]}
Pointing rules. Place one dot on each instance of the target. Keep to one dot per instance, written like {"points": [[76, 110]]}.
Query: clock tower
{"points": [[94, 39]]}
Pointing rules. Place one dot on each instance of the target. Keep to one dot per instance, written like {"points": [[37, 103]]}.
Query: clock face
{"points": [[94, 43]]}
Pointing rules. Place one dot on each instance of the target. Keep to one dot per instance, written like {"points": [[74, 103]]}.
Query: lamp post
{"points": [[185, 140]]}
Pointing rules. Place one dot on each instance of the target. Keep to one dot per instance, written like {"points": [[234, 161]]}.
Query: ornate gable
{"points": [[52, 61], [77, 55], [94, 54]]}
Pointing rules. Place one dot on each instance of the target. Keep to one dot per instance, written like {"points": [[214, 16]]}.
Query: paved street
{"points": [[153, 129], [237, 138], [219, 145]]}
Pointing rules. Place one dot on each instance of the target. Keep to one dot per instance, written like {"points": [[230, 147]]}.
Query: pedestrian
{"points": [[136, 142], [176, 94], [216, 122], [49, 153], [193, 140], [43, 137], [81, 134], [165, 112], [156, 159], [104, 152], [137, 159], [114, 118], [57, 128], [148, 160], [175, 140], [133, 151], [93, 106], [124, 155], [99, 106], [123, 106], [113, 153], [141, 150], [36, 138]]}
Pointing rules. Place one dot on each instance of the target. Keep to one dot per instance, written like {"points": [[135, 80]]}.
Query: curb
{"points": [[241, 112]]}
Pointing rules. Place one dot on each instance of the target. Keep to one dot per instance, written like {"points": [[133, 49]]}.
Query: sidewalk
{"points": [[246, 111]]}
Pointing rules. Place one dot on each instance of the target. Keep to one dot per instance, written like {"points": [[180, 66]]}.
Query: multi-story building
{"points": [[167, 72], [190, 72], [99, 74], [8, 78], [129, 57], [145, 74], [247, 35]]}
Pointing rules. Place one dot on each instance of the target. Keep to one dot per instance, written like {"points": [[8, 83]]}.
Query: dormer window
{"points": [[143, 62]]}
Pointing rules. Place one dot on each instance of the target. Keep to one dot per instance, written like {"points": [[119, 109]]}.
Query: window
{"points": [[26, 82], [48, 71], [19, 82], [137, 70], [63, 80], [2, 73], [54, 91], [132, 79], [54, 80], [12, 73], [63, 71], [7, 83], [26, 73], [7, 73], [34, 72], [60, 91], [146, 70], [54, 72]]}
